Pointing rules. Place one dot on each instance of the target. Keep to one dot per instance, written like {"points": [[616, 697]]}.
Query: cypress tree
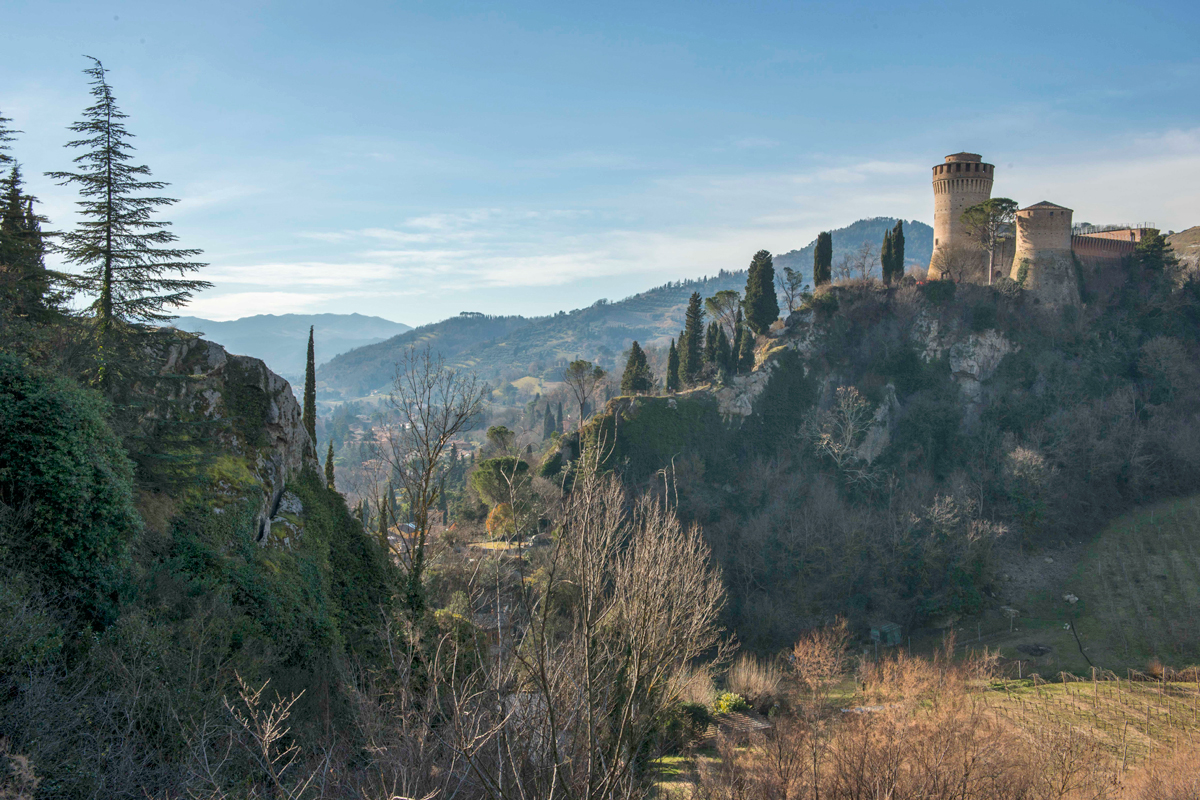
{"points": [[126, 255], [760, 303], [898, 250], [329, 468], [745, 360], [885, 257], [384, 520], [558, 425], [724, 353], [547, 423], [637, 378], [310, 392], [672, 379], [691, 353], [710, 343], [823, 259]]}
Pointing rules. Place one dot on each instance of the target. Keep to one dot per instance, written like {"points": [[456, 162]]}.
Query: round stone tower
{"points": [[1043, 261], [962, 181]]}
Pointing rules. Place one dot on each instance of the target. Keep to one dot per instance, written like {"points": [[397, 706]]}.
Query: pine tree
{"points": [[26, 283], [745, 351], [898, 250], [672, 378], [126, 256], [823, 259], [637, 378], [691, 353], [7, 135], [310, 392], [760, 303], [329, 468]]}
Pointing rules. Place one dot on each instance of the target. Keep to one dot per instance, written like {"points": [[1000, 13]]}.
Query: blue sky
{"points": [[414, 160]]}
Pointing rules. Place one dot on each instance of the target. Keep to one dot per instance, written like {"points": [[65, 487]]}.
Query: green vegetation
{"points": [[126, 255], [65, 480], [760, 304]]}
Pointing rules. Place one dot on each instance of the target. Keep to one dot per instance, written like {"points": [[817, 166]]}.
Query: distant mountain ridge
{"points": [[282, 340], [506, 348]]}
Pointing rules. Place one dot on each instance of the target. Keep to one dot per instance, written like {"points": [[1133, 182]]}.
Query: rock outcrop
{"points": [[238, 403]]}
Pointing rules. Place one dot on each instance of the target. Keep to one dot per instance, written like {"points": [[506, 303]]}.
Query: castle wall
{"points": [[1095, 250]]}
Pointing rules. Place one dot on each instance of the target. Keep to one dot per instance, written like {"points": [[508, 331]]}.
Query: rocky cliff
{"points": [[233, 406]]}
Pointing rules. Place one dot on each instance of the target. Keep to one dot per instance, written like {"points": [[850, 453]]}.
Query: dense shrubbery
{"points": [[65, 483]]}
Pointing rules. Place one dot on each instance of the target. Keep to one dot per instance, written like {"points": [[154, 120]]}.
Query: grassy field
{"points": [[1137, 586]]}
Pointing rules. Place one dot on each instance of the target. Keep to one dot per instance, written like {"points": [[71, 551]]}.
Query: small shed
{"points": [[886, 634]]}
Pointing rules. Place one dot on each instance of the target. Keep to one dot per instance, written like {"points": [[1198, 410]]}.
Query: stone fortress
{"points": [[1043, 253]]}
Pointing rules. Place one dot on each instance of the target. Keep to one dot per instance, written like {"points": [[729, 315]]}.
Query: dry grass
{"points": [[940, 727], [759, 681]]}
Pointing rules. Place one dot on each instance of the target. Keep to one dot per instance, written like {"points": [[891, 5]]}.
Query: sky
{"points": [[412, 160]]}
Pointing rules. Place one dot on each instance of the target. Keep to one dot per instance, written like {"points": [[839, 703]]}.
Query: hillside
{"points": [[928, 454], [366, 369], [281, 340], [1186, 245], [918, 244], [507, 348], [511, 347]]}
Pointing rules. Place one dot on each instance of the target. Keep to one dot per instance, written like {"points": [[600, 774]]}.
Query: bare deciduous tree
{"points": [[582, 378], [434, 404], [957, 262], [791, 285], [865, 261]]}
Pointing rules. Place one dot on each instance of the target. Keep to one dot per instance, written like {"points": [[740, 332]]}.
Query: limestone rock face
{"points": [[973, 362], [238, 402], [879, 435]]}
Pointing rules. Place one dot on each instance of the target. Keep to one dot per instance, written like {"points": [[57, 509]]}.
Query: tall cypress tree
{"points": [[672, 379], [310, 391], [384, 521], [710, 343], [637, 378], [691, 353], [885, 257], [760, 303], [724, 353], [823, 259], [329, 467], [898, 250], [745, 351], [558, 424], [126, 256], [547, 423]]}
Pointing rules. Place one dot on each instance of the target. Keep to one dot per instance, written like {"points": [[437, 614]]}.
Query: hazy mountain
{"points": [[505, 348], [282, 340], [359, 372], [918, 244]]}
